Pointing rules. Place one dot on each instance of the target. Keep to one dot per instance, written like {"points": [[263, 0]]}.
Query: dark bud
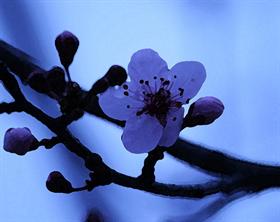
{"points": [[203, 112], [72, 98], [37, 81], [116, 75], [66, 45], [99, 86], [19, 141], [56, 80], [57, 183], [73, 88]]}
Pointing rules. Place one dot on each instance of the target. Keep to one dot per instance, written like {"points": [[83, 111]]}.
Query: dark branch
{"points": [[217, 162], [148, 170], [237, 175], [9, 107], [102, 173], [18, 61], [49, 143]]}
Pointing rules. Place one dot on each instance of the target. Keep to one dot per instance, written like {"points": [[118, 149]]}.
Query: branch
{"points": [[236, 174], [9, 107], [102, 173], [216, 162], [49, 143], [148, 170]]}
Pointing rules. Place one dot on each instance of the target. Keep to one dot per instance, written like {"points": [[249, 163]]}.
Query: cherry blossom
{"points": [[152, 101]]}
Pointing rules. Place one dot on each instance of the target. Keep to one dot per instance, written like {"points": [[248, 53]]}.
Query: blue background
{"points": [[237, 41]]}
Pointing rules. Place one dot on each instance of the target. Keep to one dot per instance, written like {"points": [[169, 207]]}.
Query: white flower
{"points": [[151, 103]]}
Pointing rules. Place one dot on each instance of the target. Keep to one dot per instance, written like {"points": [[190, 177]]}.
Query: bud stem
{"points": [[80, 189], [68, 73]]}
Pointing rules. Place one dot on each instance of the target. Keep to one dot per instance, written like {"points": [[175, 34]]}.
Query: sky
{"points": [[236, 40]]}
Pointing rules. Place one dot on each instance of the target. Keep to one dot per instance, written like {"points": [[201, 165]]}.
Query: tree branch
{"points": [[9, 107], [235, 174], [148, 170], [93, 161]]}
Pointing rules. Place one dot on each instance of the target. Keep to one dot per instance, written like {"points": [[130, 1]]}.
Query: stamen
{"points": [[170, 86], [125, 86], [155, 84], [181, 91], [174, 119], [148, 87], [125, 93], [141, 81], [177, 96], [139, 113], [136, 95], [166, 83]]}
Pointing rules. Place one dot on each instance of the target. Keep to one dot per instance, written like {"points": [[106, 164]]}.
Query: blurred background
{"points": [[236, 40]]}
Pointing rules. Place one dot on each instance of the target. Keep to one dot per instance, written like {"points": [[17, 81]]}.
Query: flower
{"points": [[19, 141], [204, 111], [57, 183], [67, 45], [151, 103]]}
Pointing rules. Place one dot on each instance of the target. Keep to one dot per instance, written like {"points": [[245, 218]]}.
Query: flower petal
{"points": [[116, 105], [141, 133], [172, 130], [188, 76], [145, 64]]}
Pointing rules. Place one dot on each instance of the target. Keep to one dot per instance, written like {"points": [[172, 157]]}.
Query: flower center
{"points": [[156, 97], [158, 101]]}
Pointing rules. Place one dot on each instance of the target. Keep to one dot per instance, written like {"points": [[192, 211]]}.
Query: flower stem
{"points": [[68, 73]]}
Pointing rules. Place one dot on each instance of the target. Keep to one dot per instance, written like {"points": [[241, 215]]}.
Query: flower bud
{"points": [[56, 80], [19, 141], [67, 45], [116, 75], [204, 111], [57, 183], [37, 81]]}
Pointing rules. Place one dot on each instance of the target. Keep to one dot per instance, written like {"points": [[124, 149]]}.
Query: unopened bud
{"points": [[19, 141], [116, 75], [37, 81], [56, 80], [57, 183], [67, 45], [204, 111]]}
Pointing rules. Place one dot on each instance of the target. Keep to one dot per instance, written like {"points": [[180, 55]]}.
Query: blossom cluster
{"points": [[152, 102]]}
